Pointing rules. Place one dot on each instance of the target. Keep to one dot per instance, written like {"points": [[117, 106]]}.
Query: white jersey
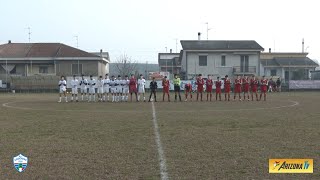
{"points": [[100, 83], [83, 83], [112, 84], [92, 83], [141, 83], [125, 83], [63, 85], [106, 83], [74, 83]]}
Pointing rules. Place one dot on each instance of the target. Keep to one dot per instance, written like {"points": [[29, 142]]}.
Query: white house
{"points": [[287, 65], [220, 58]]}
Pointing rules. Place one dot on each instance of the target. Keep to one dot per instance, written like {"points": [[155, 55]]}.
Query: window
{"points": [[202, 60], [77, 69], [223, 60], [273, 72], [244, 64], [43, 69]]}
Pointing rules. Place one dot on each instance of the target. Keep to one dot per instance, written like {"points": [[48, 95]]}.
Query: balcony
{"points": [[244, 70]]}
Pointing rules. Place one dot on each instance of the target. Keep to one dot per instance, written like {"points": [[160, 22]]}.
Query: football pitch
{"points": [[158, 140]]}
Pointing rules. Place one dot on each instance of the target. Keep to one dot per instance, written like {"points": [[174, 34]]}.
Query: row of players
{"points": [[120, 89]]}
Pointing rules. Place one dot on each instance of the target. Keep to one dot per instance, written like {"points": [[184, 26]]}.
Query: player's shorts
{"points": [[227, 89], [84, 90], [62, 90], [100, 90], [246, 88], [74, 91], [200, 89], [209, 90], [263, 89], [132, 89], [176, 88], [125, 90], [218, 90], [254, 89], [106, 89], [119, 89], [166, 90], [141, 90], [237, 89], [92, 90], [113, 90]]}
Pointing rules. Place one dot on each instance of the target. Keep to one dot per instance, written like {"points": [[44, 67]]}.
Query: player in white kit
{"points": [[125, 88], [118, 89], [74, 86], [141, 88], [83, 87], [106, 87], [63, 89], [100, 84], [92, 90], [112, 85]]}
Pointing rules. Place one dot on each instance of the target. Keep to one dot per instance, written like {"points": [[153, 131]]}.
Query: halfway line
{"points": [[162, 159]]}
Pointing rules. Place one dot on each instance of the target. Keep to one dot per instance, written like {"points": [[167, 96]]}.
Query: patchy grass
{"points": [[201, 140]]}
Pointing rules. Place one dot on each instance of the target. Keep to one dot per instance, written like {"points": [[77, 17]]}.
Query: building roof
{"points": [[290, 61], [220, 45], [29, 50]]}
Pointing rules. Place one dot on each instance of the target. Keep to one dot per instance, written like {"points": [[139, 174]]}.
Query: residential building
{"points": [[28, 59], [170, 62], [287, 65], [220, 58]]}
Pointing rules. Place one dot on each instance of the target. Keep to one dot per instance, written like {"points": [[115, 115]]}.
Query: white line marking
{"points": [[295, 103], [162, 159]]}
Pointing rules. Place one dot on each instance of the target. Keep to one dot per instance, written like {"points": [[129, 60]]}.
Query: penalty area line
{"points": [[162, 159]]}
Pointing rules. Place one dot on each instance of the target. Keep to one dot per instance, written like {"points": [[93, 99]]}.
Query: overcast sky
{"points": [[143, 28]]}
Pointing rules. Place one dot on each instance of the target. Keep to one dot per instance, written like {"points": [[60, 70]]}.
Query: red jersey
{"points": [[264, 84], [237, 85], [200, 83], [132, 82], [209, 84], [245, 83], [227, 85], [254, 85], [188, 87], [165, 83], [218, 86]]}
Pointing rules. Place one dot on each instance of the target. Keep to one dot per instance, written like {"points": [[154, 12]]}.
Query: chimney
{"points": [[9, 42], [269, 50], [170, 50], [199, 36]]}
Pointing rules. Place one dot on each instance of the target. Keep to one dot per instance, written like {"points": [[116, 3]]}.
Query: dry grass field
{"points": [[181, 140]]}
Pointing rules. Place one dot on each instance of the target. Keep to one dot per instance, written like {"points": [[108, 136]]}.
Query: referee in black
{"points": [[153, 88]]}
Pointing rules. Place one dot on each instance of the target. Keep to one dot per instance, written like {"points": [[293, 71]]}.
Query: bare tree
{"points": [[125, 65]]}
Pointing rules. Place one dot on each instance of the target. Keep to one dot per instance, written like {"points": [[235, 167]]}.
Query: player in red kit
{"points": [[199, 83], [237, 88], [263, 88], [133, 87], [209, 84], [227, 88], [165, 85], [218, 88], [245, 85], [254, 87], [188, 90]]}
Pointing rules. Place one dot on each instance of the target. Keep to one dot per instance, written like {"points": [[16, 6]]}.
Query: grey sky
{"points": [[142, 28]]}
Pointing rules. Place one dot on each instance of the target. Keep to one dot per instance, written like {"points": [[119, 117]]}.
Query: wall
{"points": [[214, 63]]}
